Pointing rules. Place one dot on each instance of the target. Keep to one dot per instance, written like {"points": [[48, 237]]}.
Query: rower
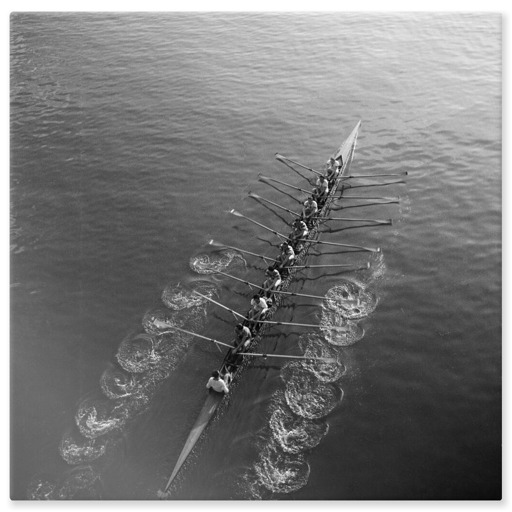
{"points": [[272, 283], [286, 258], [259, 308], [331, 163], [309, 210], [323, 188], [300, 231], [332, 175], [243, 337], [218, 384]]}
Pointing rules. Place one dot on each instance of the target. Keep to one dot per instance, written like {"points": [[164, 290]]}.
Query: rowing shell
{"points": [[214, 399]]}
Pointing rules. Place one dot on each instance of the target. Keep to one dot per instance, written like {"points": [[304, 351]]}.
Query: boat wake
{"points": [[308, 397], [280, 472], [143, 361], [352, 299], [338, 330], [81, 450], [181, 297], [313, 345], [207, 264], [295, 434], [296, 421], [81, 483], [97, 417]]}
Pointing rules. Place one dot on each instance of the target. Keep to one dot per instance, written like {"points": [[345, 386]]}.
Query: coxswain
{"points": [[286, 258], [309, 210], [218, 383], [272, 283], [300, 232], [243, 337]]}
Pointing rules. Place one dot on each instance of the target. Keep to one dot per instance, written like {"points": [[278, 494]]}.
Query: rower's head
{"points": [[215, 374], [239, 327], [285, 245], [256, 296]]}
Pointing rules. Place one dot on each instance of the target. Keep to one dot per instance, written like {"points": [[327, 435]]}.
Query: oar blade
{"points": [[235, 213]]}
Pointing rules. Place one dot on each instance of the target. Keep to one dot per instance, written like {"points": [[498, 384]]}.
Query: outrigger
{"points": [[235, 360]]}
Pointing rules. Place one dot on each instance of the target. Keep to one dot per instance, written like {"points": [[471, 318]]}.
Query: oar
{"points": [[282, 158], [238, 214], [369, 198], [198, 336], [363, 205], [218, 244], [376, 184], [264, 179], [294, 170], [256, 196], [277, 291], [324, 359], [369, 249], [375, 221], [293, 324], [404, 173], [344, 265], [221, 305], [283, 192]]}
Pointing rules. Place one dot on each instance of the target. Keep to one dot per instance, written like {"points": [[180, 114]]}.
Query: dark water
{"points": [[132, 135]]}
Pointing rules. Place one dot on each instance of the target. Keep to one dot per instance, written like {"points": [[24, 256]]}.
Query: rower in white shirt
{"points": [[309, 209], [218, 384], [272, 283], [323, 187]]}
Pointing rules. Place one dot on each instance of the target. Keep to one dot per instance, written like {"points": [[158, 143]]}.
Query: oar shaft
{"points": [[174, 328], [238, 214], [281, 157], [324, 359], [369, 249], [346, 219], [266, 178], [404, 173], [293, 169], [364, 205], [267, 258], [256, 196], [369, 198], [221, 305], [377, 184], [343, 265]]}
